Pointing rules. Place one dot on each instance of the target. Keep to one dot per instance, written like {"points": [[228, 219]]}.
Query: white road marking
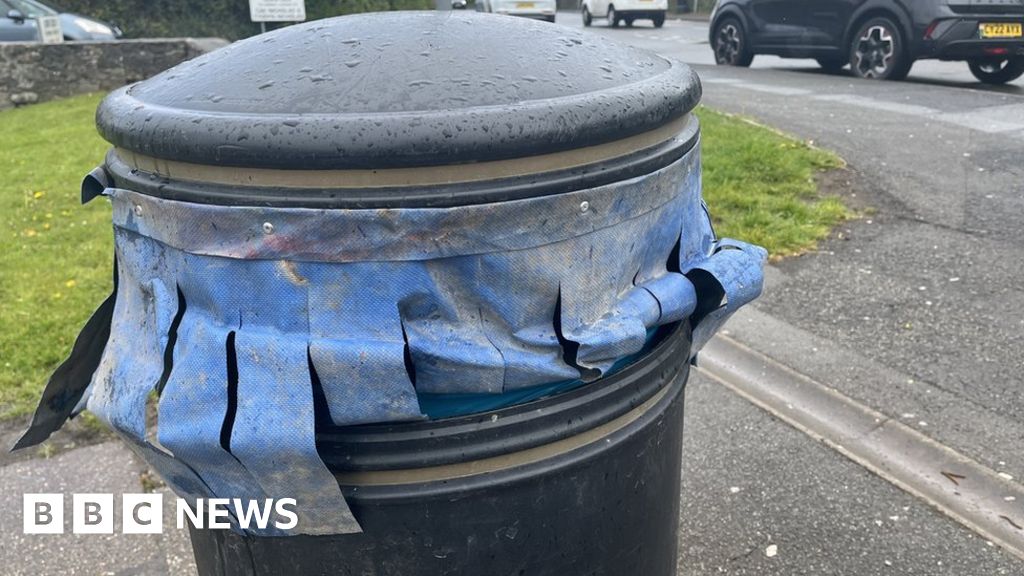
{"points": [[874, 104], [773, 89], [992, 119]]}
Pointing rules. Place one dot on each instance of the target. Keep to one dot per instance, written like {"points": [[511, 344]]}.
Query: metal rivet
{"points": [[584, 206], [268, 228], [138, 210]]}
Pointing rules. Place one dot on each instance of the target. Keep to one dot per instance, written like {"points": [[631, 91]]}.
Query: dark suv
{"points": [[877, 38]]}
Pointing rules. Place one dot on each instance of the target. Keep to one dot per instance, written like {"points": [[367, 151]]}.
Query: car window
{"points": [[30, 8]]}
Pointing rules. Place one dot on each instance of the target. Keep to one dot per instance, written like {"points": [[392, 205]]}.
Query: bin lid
{"points": [[396, 90]]}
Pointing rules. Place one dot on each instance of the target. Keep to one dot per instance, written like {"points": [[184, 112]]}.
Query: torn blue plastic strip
{"points": [[389, 315], [737, 267]]}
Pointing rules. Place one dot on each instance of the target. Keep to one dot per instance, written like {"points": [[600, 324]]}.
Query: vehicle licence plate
{"points": [[524, 4], [1001, 30]]}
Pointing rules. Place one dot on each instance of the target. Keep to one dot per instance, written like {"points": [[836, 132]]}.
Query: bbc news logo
{"points": [[144, 513]]}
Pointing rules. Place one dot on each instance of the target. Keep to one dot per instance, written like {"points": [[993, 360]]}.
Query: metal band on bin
{"points": [[459, 184], [417, 176], [401, 234]]}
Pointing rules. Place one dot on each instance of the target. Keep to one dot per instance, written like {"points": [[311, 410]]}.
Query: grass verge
{"points": [[55, 256], [760, 185]]}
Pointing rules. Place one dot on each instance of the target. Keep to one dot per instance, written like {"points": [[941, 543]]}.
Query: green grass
{"points": [[56, 256], [760, 187]]}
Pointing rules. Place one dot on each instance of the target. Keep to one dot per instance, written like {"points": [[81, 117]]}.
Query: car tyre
{"points": [[659, 20], [587, 18], [613, 18], [629, 22], [832, 64], [730, 44], [997, 71], [877, 51], [550, 19]]}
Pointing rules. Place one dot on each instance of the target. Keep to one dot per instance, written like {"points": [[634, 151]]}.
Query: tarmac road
{"points": [[915, 310]]}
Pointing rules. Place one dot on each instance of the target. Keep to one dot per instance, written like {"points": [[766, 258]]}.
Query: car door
{"points": [[777, 22], [801, 23], [828, 20], [16, 30]]}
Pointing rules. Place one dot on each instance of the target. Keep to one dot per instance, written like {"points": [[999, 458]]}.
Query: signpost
{"points": [[49, 29], [276, 11]]}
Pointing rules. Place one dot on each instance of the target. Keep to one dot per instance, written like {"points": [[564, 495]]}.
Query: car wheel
{"points": [[877, 51], [629, 21], [550, 19], [613, 18], [997, 71], [730, 44], [587, 18], [659, 20], [831, 64]]}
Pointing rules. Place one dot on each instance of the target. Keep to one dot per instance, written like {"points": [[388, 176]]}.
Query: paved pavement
{"points": [[916, 311], [760, 498], [103, 468]]}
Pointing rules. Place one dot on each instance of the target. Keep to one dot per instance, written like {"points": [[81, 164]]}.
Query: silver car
{"points": [[18, 23]]}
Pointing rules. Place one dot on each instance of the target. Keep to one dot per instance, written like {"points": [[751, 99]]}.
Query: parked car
{"points": [[876, 38], [628, 11], [537, 9], [18, 23]]}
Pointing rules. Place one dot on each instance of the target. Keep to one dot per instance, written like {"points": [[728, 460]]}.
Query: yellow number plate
{"points": [[1001, 30], [524, 4]]}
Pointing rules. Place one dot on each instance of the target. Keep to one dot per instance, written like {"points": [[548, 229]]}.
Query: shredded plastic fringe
{"points": [[239, 317]]}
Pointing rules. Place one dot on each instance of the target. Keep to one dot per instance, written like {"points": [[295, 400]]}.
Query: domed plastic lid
{"points": [[399, 89]]}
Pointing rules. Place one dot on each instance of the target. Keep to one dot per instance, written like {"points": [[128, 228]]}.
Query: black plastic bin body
{"points": [[584, 483], [437, 277]]}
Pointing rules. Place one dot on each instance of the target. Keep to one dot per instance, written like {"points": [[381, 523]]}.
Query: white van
{"points": [[537, 9], [627, 11]]}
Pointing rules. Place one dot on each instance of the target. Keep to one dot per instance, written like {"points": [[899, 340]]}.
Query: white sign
{"points": [[277, 10], [49, 29]]}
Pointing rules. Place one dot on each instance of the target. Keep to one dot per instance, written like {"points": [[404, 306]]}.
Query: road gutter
{"points": [[974, 495]]}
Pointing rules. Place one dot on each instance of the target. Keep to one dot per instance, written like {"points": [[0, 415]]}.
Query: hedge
{"points": [[221, 18]]}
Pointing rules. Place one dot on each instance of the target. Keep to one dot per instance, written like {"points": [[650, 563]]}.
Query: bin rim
{"points": [[214, 110]]}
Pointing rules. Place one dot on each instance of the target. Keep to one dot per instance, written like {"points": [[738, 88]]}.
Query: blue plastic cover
{"points": [[244, 314]]}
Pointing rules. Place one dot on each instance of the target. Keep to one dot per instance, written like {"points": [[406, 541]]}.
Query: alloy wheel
{"points": [[875, 51], [728, 44]]}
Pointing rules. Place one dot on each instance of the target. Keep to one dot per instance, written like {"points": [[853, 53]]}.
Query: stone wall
{"points": [[32, 72]]}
